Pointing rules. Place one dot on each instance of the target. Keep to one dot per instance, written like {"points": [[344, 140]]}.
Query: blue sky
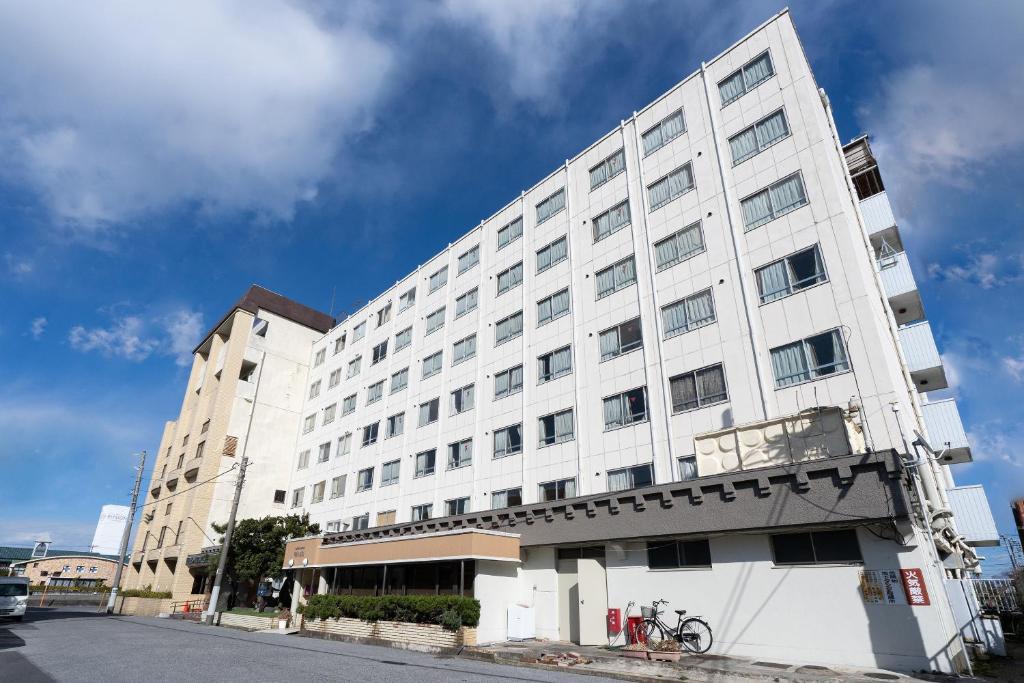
{"points": [[157, 162]]}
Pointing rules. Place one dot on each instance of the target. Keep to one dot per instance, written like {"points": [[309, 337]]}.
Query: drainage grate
{"points": [[773, 665]]}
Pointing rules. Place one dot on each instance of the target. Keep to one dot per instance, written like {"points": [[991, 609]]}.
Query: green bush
{"points": [[143, 593], [417, 609]]}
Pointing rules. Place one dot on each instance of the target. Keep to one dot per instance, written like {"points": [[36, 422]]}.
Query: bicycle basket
{"points": [[647, 612]]}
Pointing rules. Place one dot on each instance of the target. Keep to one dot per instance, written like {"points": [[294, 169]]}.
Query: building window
{"points": [[551, 206], [399, 380], [469, 259], [464, 349], [319, 358], [333, 527], [558, 490], [344, 444], [380, 352], [622, 410], [324, 452], [746, 78], [389, 473], [466, 303], [510, 233], [359, 331], [348, 405], [663, 132], [554, 365], [607, 169], [508, 328], [435, 320], [428, 411], [508, 441], [438, 280], [370, 433], [460, 454], [506, 498], [374, 392], [688, 314], [384, 315], [679, 246], [688, 468], [456, 506], [361, 522], [790, 275], [666, 554], [279, 496], [774, 201], [425, 462], [329, 413], [407, 300], [421, 513], [508, 382], [396, 425], [200, 447], [309, 423], [339, 344], [334, 379], [674, 185], [297, 495], [318, 492], [353, 367], [403, 339], [817, 547], [810, 358], [553, 307], [205, 428], [622, 338], [432, 365], [630, 477], [338, 486], [611, 221], [462, 400], [553, 253], [510, 278], [615, 277], [758, 137], [556, 428], [698, 389], [364, 479]]}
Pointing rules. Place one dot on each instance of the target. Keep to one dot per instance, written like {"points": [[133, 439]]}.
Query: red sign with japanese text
{"points": [[913, 585]]}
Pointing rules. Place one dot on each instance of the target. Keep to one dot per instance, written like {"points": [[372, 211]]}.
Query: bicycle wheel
{"points": [[653, 631], [695, 635]]}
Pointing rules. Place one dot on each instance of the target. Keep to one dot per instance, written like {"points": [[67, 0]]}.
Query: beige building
{"points": [[68, 570], [244, 396]]}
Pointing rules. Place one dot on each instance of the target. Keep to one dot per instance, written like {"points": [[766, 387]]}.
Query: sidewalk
{"points": [[609, 663]]}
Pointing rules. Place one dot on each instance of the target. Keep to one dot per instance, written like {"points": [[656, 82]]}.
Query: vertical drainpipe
{"points": [[740, 260], [574, 316]]}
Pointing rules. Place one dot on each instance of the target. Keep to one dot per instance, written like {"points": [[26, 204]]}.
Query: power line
{"points": [[194, 486]]}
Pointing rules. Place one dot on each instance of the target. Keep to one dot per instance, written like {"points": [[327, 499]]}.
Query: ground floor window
{"points": [[426, 578], [673, 554], [816, 547], [199, 584]]}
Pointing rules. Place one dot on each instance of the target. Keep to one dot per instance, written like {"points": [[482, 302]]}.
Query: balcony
{"points": [[973, 516], [192, 468], [171, 480], [946, 431], [901, 288], [877, 212], [171, 553], [923, 357]]}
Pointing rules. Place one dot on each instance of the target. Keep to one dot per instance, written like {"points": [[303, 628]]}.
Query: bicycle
{"points": [[693, 633]]}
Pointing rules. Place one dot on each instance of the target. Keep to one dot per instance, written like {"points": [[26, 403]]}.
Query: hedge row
{"points": [[143, 593], [417, 609]]}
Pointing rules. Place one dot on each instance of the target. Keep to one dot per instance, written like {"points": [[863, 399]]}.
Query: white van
{"points": [[13, 597]]}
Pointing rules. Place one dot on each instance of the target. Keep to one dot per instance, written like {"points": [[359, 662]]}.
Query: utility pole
{"points": [[222, 562], [127, 533]]}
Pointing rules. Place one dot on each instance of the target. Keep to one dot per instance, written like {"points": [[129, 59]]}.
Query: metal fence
{"points": [[998, 595]]}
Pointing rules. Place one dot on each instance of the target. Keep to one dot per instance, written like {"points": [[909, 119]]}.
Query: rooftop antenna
{"points": [[334, 290]]}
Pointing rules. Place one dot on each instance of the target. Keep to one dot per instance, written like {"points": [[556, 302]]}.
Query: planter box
{"points": [[427, 637], [637, 654], [247, 622], [143, 607]]}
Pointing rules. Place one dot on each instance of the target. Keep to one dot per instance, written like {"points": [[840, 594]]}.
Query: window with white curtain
{"points": [[688, 468], [758, 137], [553, 253], [510, 278], [403, 339], [791, 274], [318, 359], [674, 185], [407, 300], [462, 400], [345, 444], [460, 454], [622, 410], [329, 413], [630, 477], [551, 206], [359, 331], [746, 78], [663, 132], [611, 221], [303, 462], [466, 303], [399, 380], [334, 379], [612, 166], [439, 279], [380, 352], [699, 388], [338, 486], [353, 367], [425, 462], [432, 365], [429, 411], [679, 246], [297, 495], [508, 441], [615, 277], [370, 432], [324, 452], [622, 338], [507, 498], [552, 307], [374, 392], [308, 424], [384, 314], [435, 320], [558, 490], [389, 472], [464, 349], [395, 426], [510, 233], [508, 328], [556, 428], [554, 365], [774, 201], [469, 259], [339, 344], [688, 314], [348, 404], [818, 356], [364, 480], [314, 389], [508, 382]]}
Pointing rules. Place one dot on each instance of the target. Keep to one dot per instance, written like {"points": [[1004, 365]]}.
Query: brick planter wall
{"points": [[246, 622], [429, 637], [143, 607]]}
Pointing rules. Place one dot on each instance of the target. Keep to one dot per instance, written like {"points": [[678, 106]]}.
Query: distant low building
{"points": [[73, 569], [15, 555]]}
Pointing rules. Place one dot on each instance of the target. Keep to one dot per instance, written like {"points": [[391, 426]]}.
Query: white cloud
{"points": [[17, 266], [183, 328], [985, 269], [997, 442], [37, 327], [114, 109], [1014, 365], [135, 337]]}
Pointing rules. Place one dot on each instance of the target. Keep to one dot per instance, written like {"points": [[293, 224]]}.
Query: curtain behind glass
{"points": [[674, 317], [711, 385], [561, 361], [605, 282], [652, 140], [688, 468], [500, 442], [684, 393], [618, 481], [673, 126], [757, 210], [789, 364], [788, 194], [625, 273], [501, 384], [731, 88], [613, 412], [757, 71], [700, 310], [610, 343], [658, 194], [560, 303], [563, 426], [743, 146], [773, 281], [771, 129]]}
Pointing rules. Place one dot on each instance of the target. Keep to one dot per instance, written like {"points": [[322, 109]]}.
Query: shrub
{"points": [[416, 609], [143, 593]]}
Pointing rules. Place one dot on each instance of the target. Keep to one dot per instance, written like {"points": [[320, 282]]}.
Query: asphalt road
{"points": [[77, 644]]}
